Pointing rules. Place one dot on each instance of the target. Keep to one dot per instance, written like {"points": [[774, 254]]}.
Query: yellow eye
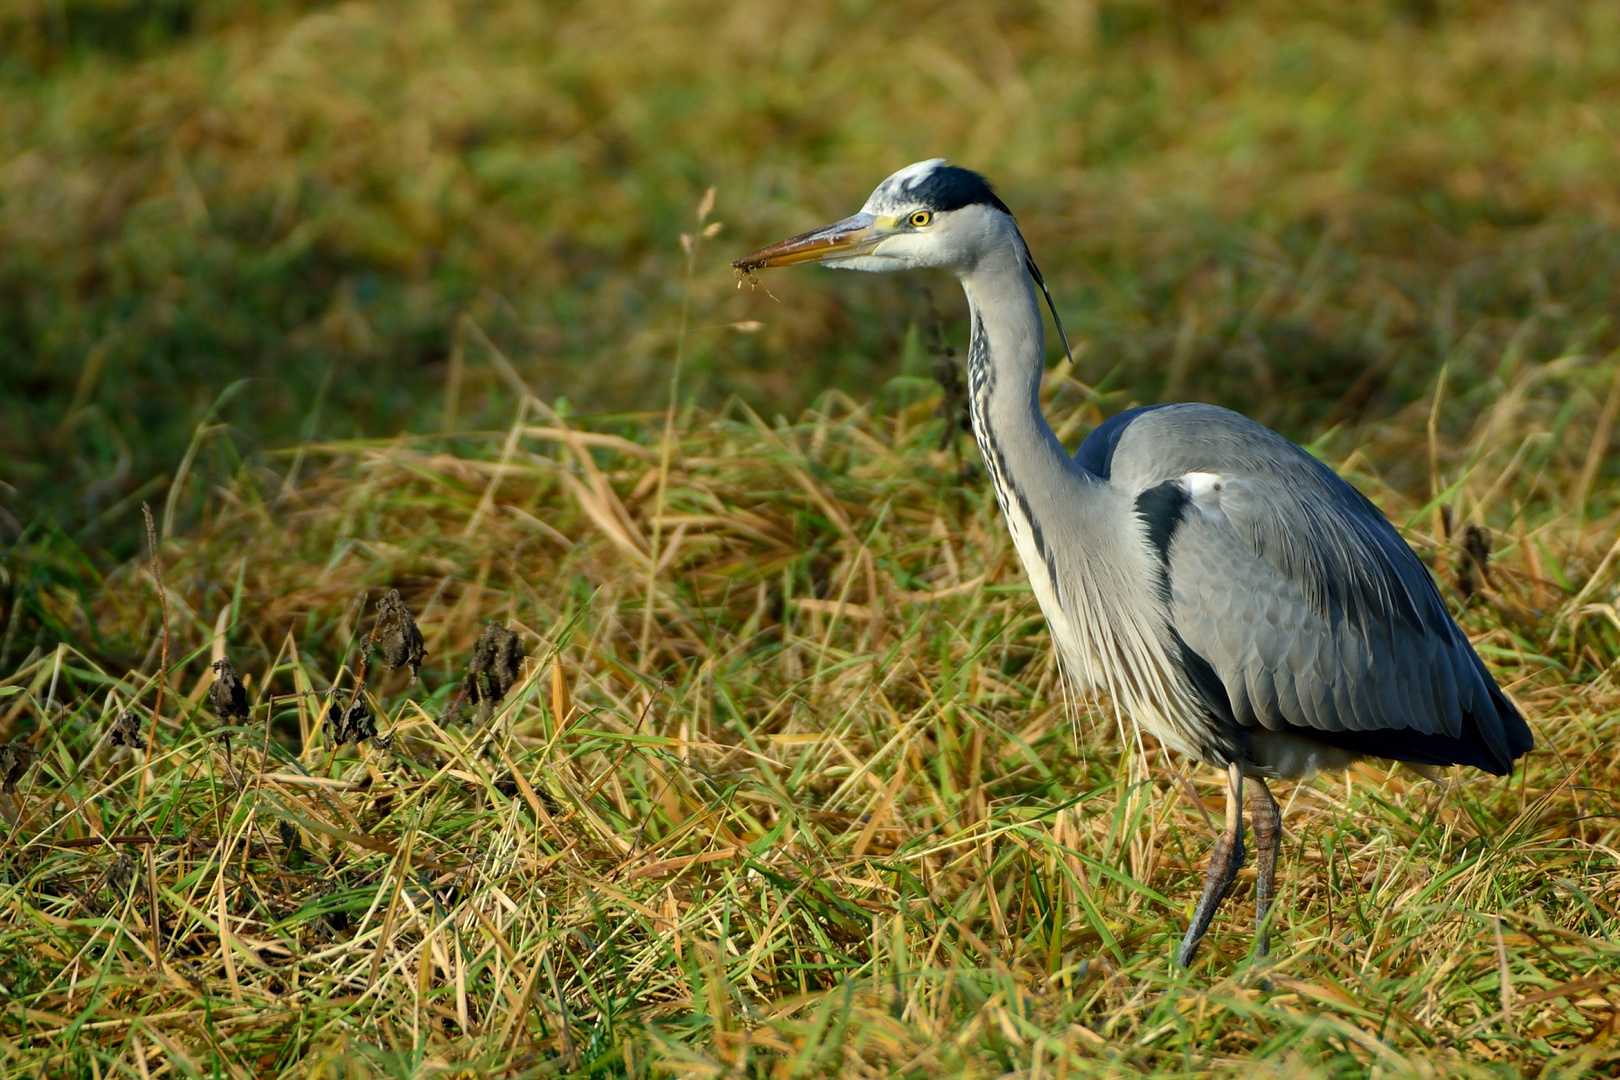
{"points": [[919, 218]]}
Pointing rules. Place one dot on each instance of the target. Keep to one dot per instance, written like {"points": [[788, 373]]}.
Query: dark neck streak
{"points": [[1088, 584], [1006, 357]]}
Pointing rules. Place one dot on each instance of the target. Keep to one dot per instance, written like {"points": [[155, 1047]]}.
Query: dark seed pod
{"points": [[398, 634], [949, 373], [292, 844], [497, 662], [354, 725], [126, 731], [226, 695], [953, 404], [329, 923], [15, 758], [1476, 559], [507, 785], [117, 875]]}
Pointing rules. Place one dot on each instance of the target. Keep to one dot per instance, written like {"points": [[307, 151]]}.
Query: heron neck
{"points": [[1006, 356]]}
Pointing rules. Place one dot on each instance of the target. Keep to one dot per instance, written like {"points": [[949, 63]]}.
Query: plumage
{"points": [[1283, 555], [1233, 595]]}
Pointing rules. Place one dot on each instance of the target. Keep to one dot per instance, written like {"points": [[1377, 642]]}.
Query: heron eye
{"points": [[920, 218]]}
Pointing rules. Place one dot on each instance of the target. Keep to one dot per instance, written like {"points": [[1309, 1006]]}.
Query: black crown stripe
{"points": [[951, 188]]}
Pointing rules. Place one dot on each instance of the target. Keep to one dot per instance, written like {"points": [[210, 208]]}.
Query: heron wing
{"points": [[1306, 617], [1297, 604]]}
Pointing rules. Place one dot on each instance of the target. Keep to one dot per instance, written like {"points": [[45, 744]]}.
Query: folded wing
{"points": [[1299, 607]]}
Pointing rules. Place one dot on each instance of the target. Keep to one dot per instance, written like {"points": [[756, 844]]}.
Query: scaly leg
{"points": [[1225, 860], [1266, 817]]}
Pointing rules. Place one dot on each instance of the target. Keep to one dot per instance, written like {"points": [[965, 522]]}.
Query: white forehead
{"points": [[893, 191]]}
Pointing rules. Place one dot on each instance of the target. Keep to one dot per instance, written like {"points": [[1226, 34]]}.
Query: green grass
{"points": [[1299, 213], [788, 784]]}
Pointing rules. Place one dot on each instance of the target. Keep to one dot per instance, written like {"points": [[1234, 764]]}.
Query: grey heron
{"points": [[1234, 596]]}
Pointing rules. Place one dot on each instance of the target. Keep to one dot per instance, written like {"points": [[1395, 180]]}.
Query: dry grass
{"points": [[788, 787]]}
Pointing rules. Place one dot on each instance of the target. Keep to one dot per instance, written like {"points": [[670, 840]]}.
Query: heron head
{"points": [[927, 214]]}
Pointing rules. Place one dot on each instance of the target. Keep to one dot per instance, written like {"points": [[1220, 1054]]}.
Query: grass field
{"points": [[778, 777]]}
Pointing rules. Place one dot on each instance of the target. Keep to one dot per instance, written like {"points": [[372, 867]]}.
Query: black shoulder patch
{"points": [[951, 188], [1160, 508]]}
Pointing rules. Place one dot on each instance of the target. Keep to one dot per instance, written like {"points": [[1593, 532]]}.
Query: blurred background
{"points": [[230, 225]]}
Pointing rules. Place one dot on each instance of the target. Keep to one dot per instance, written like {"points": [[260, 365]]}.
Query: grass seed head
{"points": [[226, 694], [399, 635]]}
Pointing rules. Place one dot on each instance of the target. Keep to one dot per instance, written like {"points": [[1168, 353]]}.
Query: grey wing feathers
{"points": [[1311, 610], [1284, 626]]}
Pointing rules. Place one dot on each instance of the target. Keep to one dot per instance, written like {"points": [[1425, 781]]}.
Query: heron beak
{"points": [[841, 240]]}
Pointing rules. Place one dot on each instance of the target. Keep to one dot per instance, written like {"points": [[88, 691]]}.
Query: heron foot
{"points": [[1266, 817], [1224, 863], [1225, 860]]}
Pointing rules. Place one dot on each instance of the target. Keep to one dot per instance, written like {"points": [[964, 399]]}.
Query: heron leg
{"points": [[1225, 860], [1266, 817]]}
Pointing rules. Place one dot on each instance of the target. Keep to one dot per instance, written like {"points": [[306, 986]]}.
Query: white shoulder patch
{"points": [[1199, 484]]}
